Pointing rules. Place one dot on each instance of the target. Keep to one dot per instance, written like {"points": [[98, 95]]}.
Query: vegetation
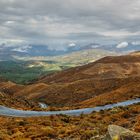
{"points": [[108, 80], [26, 69], [23, 72], [70, 127]]}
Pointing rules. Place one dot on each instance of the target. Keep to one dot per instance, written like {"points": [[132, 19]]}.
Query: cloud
{"points": [[122, 45], [58, 22], [11, 43], [22, 48], [135, 43], [72, 45]]}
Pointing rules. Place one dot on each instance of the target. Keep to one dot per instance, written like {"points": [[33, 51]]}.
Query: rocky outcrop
{"points": [[119, 133]]}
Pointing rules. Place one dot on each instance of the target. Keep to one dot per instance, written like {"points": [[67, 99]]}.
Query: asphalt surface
{"points": [[5, 111]]}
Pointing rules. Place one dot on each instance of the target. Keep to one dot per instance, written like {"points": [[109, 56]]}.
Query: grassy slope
{"points": [[69, 127], [118, 76], [27, 69], [111, 78], [23, 72]]}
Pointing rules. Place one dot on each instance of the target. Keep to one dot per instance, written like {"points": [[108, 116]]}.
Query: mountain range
{"points": [[107, 80], [9, 51]]}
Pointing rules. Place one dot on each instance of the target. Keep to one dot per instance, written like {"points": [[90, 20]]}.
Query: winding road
{"points": [[5, 111], [43, 105]]}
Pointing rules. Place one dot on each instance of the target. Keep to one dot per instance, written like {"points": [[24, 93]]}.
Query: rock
{"points": [[120, 133], [106, 137]]}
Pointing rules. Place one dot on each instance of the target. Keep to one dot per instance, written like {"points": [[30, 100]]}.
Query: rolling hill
{"points": [[24, 70], [108, 80]]}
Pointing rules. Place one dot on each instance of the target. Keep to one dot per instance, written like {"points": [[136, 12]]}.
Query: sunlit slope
{"points": [[110, 76], [25, 70]]}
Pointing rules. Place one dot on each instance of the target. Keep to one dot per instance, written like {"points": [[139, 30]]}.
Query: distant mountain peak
{"points": [[136, 53]]}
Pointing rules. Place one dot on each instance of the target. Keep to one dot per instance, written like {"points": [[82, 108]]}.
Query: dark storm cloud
{"points": [[46, 21]]}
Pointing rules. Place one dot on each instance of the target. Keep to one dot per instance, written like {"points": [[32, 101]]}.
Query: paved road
{"points": [[5, 111], [43, 105]]}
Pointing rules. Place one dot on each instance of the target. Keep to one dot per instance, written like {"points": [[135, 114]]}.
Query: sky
{"points": [[60, 22]]}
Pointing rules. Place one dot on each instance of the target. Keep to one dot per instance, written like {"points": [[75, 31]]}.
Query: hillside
{"points": [[19, 103], [113, 78], [23, 70], [7, 98], [108, 80], [105, 68], [93, 126]]}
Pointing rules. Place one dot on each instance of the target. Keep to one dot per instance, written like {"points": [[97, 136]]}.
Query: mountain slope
{"points": [[24, 70], [103, 77], [110, 79], [112, 66], [11, 49]]}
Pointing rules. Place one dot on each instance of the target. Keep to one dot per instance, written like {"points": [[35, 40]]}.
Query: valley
{"points": [[105, 81], [110, 86], [110, 78], [24, 70], [69, 70]]}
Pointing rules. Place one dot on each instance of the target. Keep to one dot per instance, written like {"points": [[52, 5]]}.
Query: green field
{"points": [[26, 70], [23, 72]]}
